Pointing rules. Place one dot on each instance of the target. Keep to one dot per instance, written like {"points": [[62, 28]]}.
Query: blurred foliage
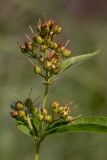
{"points": [[85, 25]]}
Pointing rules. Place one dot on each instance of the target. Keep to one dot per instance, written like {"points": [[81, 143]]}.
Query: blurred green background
{"points": [[85, 24]]}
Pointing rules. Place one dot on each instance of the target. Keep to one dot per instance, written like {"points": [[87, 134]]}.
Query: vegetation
{"points": [[50, 59]]}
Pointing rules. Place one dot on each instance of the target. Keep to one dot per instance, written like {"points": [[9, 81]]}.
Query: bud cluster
{"points": [[24, 110], [60, 111], [44, 48]]}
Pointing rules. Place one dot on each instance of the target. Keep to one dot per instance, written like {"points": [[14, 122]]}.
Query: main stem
{"points": [[46, 93], [37, 145]]}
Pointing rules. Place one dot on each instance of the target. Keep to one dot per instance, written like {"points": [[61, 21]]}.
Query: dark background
{"points": [[85, 24]]}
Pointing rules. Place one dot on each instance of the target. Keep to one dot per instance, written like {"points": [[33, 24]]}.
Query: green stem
{"points": [[37, 145], [45, 95]]}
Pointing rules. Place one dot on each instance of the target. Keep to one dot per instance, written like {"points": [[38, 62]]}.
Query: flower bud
{"points": [[43, 48], [48, 118], [55, 106], [48, 40], [38, 39], [69, 119], [21, 114], [30, 105], [14, 114], [19, 105], [64, 112], [40, 117], [44, 111], [60, 48], [66, 53], [38, 28], [56, 70], [53, 45], [57, 29], [37, 69], [48, 65], [60, 109], [45, 28], [23, 49], [30, 47], [50, 23], [67, 108]]}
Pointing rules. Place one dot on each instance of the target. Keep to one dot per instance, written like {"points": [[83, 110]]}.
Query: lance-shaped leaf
{"points": [[23, 128], [87, 124], [77, 60]]}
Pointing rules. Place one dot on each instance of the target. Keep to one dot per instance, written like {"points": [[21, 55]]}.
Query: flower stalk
{"points": [[37, 146], [45, 95]]}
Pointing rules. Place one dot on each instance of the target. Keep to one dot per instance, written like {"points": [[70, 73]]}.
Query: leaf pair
{"points": [[86, 124]]}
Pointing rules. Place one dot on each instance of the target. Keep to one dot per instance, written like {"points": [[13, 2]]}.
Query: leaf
{"points": [[57, 123], [77, 60], [87, 124], [23, 128]]}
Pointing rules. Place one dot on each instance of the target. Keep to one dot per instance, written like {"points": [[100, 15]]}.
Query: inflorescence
{"points": [[47, 56], [44, 48]]}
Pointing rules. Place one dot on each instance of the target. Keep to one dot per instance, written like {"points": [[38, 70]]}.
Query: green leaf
{"points": [[77, 60], [23, 128], [87, 124], [57, 123]]}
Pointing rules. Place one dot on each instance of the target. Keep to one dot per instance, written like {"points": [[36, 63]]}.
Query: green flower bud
{"points": [[38, 39], [40, 117], [48, 40], [30, 105], [57, 29], [53, 45], [43, 48], [19, 105], [28, 102], [48, 118], [37, 69], [38, 28], [66, 53], [14, 114]]}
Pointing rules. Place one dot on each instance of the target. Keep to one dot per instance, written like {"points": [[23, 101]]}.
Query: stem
{"points": [[37, 145], [45, 95]]}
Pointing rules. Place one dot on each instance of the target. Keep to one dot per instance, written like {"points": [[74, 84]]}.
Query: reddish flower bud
{"points": [[14, 114]]}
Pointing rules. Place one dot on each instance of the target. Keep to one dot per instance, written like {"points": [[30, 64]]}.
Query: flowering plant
{"points": [[49, 59]]}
